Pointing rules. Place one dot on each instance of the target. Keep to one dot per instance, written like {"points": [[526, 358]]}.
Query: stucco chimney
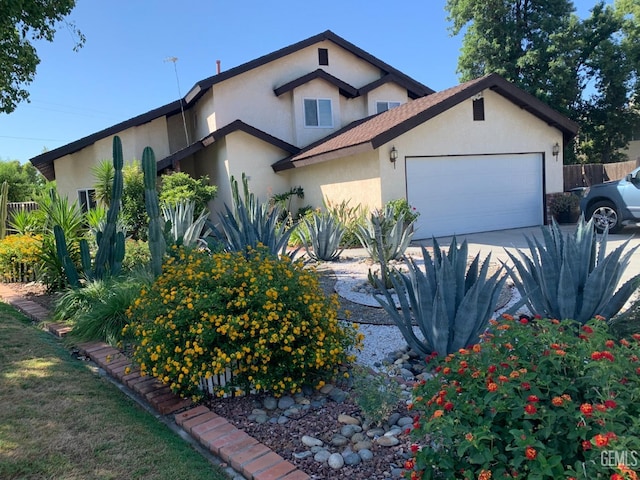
{"points": [[217, 66]]}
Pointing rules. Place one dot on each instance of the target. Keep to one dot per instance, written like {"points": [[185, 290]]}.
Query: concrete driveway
{"points": [[496, 242]]}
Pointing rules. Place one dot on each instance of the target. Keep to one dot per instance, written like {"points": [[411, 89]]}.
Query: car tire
{"points": [[605, 214]]}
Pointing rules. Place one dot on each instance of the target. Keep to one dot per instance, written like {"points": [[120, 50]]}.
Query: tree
{"points": [[24, 180], [586, 69], [21, 23]]}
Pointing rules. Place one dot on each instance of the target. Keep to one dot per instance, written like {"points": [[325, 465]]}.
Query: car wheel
{"points": [[605, 214]]}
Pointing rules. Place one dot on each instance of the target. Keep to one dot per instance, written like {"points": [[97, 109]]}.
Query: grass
{"points": [[61, 420]]}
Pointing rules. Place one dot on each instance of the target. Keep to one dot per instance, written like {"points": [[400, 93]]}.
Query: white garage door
{"points": [[475, 193]]}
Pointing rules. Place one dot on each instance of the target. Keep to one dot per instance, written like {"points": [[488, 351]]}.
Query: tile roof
{"points": [[371, 133]]}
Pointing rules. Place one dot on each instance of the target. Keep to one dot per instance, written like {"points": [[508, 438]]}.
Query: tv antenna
{"points": [[174, 60]]}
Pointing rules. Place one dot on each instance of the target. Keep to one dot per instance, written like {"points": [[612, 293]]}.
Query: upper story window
{"points": [[87, 199], [384, 106], [323, 56], [317, 113], [478, 109]]}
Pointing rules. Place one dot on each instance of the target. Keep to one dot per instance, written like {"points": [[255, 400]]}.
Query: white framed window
{"points": [[87, 199], [318, 113], [384, 106]]}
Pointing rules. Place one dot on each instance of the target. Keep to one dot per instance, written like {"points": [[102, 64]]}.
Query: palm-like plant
{"points": [[572, 277], [451, 308]]}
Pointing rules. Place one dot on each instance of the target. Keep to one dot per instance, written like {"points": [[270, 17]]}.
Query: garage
{"points": [[475, 193]]}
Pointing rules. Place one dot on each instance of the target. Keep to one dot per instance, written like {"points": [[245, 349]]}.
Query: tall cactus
{"points": [[4, 200], [111, 243], [157, 243], [65, 259]]}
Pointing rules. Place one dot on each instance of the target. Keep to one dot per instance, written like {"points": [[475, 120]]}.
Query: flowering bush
{"points": [[19, 257], [265, 318], [535, 399]]}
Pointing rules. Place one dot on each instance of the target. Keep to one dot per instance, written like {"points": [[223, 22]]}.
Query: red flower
{"points": [[596, 356], [586, 409], [524, 321], [492, 387], [610, 403], [530, 453], [610, 344], [586, 445], [587, 329], [608, 355], [526, 385], [415, 447], [492, 368], [532, 398], [448, 406], [601, 441], [617, 476], [409, 464], [530, 409]]}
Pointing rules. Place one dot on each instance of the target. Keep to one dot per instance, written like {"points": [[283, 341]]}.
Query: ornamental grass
{"points": [[265, 318], [541, 399]]}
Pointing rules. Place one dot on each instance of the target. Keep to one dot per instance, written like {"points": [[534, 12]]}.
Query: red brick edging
{"points": [[242, 452]]}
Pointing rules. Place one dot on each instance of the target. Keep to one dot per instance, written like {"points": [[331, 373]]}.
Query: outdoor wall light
{"points": [[556, 150], [393, 155]]}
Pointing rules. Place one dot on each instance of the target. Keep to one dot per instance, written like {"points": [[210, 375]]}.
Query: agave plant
{"points": [[250, 222], [185, 230], [324, 236], [396, 234], [450, 307], [572, 277]]}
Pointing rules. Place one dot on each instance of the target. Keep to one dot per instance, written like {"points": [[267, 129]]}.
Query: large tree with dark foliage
{"points": [[585, 68], [22, 22]]}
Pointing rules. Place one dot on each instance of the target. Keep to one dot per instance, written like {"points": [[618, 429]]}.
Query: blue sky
{"points": [[122, 71]]}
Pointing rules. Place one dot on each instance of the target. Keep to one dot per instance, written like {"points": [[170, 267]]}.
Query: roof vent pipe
{"points": [[217, 66]]}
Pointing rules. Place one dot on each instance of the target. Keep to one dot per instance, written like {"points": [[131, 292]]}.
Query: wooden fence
{"points": [[593, 173], [13, 207]]}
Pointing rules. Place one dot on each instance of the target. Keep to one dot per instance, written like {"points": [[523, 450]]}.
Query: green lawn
{"points": [[61, 420]]}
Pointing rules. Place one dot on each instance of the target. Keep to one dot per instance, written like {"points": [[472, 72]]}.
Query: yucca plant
{"points": [[396, 234], [249, 222], [184, 228], [572, 277], [324, 236], [451, 307]]}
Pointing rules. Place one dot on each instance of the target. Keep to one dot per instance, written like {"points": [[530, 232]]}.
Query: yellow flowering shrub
{"points": [[266, 319], [19, 257]]}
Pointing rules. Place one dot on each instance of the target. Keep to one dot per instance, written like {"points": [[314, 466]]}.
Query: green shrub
{"points": [[180, 186], [401, 207], [97, 311], [535, 399], [350, 217], [136, 255], [262, 317], [376, 395]]}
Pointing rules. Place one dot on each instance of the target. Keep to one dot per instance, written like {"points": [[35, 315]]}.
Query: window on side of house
{"points": [[478, 109], [317, 113], [384, 106], [323, 56], [87, 199]]}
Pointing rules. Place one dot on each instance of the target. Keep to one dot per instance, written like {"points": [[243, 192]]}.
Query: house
{"points": [[326, 115]]}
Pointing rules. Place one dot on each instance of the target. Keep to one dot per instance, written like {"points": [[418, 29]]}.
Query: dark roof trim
{"points": [[345, 89], [434, 105], [389, 78], [417, 88], [235, 126], [44, 161]]}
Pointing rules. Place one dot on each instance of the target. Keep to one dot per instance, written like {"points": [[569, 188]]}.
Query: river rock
{"points": [[336, 461], [348, 419], [385, 441], [309, 441]]}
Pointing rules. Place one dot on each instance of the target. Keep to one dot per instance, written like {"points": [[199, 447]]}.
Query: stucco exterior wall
{"points": [[389, 92], [250, 96], [506, 129], [355, 178], [73, 171]]}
